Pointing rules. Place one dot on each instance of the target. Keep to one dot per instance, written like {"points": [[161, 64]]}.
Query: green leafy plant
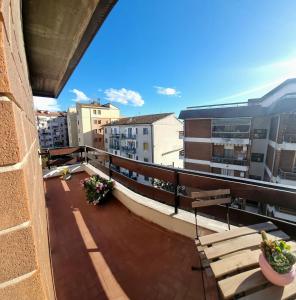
{"points": [[97, 189], [278, 254]]}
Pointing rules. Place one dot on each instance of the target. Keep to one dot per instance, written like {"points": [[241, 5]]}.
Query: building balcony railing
{"points": [[230, 161], [183, 181], [129, 136], [290, 138], [115, 135], [287, 175], [115, 147], [128, 149], [231, 135]]}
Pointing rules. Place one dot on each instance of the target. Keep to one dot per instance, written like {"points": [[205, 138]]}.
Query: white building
{"points": [[72, 126], [150, 138], [52, 129]]}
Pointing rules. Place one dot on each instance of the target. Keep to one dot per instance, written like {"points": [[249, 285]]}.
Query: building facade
{"points": [[72, 126], [90, 121], [255, 139], [52, 129], [149, 138]]}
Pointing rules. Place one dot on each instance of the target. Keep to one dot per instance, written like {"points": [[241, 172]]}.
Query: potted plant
{"points": [[97, 189], [277, 262], [66, 173]]}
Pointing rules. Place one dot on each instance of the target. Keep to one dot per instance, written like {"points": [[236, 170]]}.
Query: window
{"points": [[100, 140], [257, 157], [145, 131], [137, 158], [95, 112], [146, 178], [227, 172], [106, 141], [105, 130], [145, 146], [146, 159], [260, 133], [115, 152], [181, 134], [99, 122], [99, 112], [136, 130]]}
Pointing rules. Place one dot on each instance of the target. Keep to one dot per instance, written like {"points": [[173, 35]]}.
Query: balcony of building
{"points": [[289, 138], [129, 136], [129, 149], [230, 160], [115, 135], [114, 147], [288, 175]]}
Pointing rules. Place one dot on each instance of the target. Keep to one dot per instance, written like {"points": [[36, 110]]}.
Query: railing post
{"points": [[85, 154], [176, 184], [110, 163]]}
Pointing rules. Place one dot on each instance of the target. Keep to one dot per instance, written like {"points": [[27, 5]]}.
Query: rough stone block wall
{"points": [[25, 271]]}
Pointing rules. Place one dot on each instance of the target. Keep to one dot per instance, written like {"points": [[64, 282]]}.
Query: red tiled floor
{"points": [[107, 252]]}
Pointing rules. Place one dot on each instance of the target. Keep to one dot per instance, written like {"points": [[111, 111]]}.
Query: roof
{"points": [[223, 112], [56, 35], [97, 105], [146, 119], [50, 113]]}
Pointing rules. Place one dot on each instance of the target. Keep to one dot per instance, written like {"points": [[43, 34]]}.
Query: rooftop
{"points": [[50, 113], [110, 253], [145, 119]]}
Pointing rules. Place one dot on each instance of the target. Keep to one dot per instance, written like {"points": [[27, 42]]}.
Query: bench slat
{"points": [[221, 236], [202, 203], [210, 193], [273, 292], [242, 282], [240, 243]]}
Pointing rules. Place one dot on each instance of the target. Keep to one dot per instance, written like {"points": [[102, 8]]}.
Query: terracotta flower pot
{"points": [[273, 276]]}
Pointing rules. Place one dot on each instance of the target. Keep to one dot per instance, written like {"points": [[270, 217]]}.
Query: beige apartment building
{"points": [[255, 139], [90, 121]]}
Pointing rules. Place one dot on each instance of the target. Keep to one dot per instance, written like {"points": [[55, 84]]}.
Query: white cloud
{"points": [[124, 96], [167, 91], [80, 96], [45, 103]]}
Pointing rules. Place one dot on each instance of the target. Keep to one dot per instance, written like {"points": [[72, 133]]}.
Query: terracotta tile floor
{"points": [[109, 253]]}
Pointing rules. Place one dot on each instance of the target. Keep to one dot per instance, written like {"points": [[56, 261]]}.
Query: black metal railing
{"points": [[231, 135], [182, 182], [129, 136], [290, 138], [230, 160]]}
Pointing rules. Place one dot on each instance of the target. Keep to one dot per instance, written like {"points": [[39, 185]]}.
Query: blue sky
{"points": [[164, 55]]}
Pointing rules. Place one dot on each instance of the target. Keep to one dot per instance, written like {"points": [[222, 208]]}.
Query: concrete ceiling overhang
{"points": [[56, 34]]}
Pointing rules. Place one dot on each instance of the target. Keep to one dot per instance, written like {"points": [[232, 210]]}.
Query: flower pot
{"points": [[273, 276]]}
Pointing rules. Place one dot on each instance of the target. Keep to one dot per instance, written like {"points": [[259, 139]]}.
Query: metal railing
{"points": [[114, 147], [290, 138], [229, 161], [115, 135], [129, 136], [128, 149], [231, 135], [287, 175], [183, 181]]}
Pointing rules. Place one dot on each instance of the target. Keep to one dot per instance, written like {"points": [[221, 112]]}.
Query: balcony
{"points": [[105, 249], [131, 150], [287, 175], [129, 136], [114, 147], [115, 135], [290, 138], [230, 135], [230, 161]]}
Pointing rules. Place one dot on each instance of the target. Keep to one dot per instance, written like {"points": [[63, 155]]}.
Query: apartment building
{"points": [[255, 139], [52, 129], [149, 138], [72, 126], [90, 121]]}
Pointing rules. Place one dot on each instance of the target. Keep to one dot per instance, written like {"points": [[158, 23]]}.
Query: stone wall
{"points": [[25, 271]]}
